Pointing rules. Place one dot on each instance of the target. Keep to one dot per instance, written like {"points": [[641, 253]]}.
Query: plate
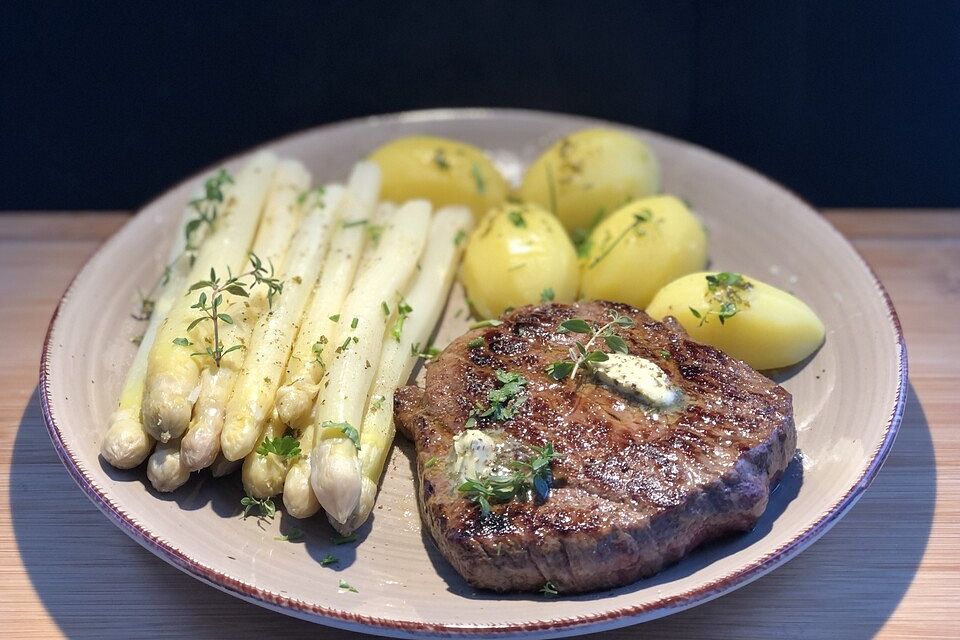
{"points": [[848, 399]]}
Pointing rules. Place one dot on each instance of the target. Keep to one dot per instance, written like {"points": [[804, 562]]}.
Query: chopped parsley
{"points": [[285, 447], [347, 539], [403, 310], [504, 400], [440, 159], [328, 560], [516, 217], [478, 179], [265, 506], [295, 535], [347, 429]]}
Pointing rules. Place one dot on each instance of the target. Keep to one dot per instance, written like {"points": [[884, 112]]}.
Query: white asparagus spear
{"points": [[165, 469], [263, 476], [172, 372], [282, 214], [264, 473], [335, 475], [251, 401], [126, 443], [298, 497], [427, 297], [315, 340]]}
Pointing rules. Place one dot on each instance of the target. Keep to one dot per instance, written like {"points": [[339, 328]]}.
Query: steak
{"points": [[634, 489]]}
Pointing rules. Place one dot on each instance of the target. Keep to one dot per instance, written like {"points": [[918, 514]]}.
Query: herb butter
{"points": [[638, 377], [475, 452]]}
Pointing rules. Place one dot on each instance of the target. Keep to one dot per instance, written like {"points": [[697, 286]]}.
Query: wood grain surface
{"points": [[890, 568]]}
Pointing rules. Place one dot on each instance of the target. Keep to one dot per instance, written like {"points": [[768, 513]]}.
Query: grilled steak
{"points": [[634, 488]]}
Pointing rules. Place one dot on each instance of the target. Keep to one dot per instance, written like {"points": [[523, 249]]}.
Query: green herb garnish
{"points": [[478, 178], [638, 219], [549, 589], [505, 399], [210, 304], [206, 210], [295, 535], [724, 295], [403, 310], [346, 586], [318, 348], [535, 474], [347, 429], [440, 159], [328, 560], [265, 506], [374, 233], [476, 342], [285, 447], [583, 353], [547, 295], [347, 539], [516, 217], [429, 353], [486, 323]]}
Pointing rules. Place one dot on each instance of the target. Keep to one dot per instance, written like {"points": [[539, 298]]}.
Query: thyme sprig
{"points": [[503, 401], [534, 474], [639, 218], [206, 210], [265, 506], [210, 304], [584, 353], [724, 291]]}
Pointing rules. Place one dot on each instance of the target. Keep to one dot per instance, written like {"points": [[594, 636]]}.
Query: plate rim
{"points": [[614, 618]]}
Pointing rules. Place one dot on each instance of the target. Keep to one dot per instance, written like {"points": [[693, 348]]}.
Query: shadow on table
{"points": [[832, 590]]}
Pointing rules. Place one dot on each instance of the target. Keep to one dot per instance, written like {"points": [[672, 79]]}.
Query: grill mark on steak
{"points": [[634, 490]]}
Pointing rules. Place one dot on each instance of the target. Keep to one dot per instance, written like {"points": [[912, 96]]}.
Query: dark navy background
{"points": [[102, 105]]}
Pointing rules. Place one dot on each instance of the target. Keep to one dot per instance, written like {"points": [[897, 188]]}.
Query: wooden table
{"points": [[890, 568]]}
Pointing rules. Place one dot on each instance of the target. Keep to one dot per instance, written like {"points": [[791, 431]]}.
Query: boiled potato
{"points": [[519, 254], [766, 327], [642, 246], [590, 173], [440, 170]]}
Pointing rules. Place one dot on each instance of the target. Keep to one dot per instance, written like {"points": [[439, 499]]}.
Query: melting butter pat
{"points": [[475, 452], [638, 377]]}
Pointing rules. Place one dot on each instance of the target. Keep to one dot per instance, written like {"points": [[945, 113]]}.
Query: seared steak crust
{"points": [[634, 489]]}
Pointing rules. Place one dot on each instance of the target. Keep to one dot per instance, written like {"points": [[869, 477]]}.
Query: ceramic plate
{"points": [[847, 400]]}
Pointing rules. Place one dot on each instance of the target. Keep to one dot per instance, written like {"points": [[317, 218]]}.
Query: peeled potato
{"points": [[641, 247], [770, 328], [519, 254], [440, 170], [590, 173]]}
